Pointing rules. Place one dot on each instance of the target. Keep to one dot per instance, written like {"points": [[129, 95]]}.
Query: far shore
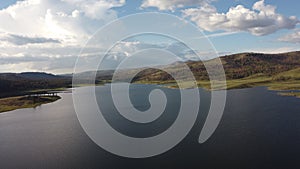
{"points": [[290, 87], [33, 99], [284, 87]]}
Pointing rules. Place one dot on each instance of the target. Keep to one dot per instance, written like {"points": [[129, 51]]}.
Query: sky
{"points": [[48, 35]]}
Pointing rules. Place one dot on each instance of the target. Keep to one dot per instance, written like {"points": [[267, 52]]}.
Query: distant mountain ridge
{"points": [[38, 75], [29, 75]]}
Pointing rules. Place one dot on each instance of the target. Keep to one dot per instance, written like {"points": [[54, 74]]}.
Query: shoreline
{"points": [[31, 99], [283, 88], [21, 102]]}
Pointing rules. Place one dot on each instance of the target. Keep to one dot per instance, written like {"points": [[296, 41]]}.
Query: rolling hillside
{"points": [[277, 71], [236, 66]]}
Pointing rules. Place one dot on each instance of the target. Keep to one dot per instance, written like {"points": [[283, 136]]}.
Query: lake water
{"points": [[259, 129]]}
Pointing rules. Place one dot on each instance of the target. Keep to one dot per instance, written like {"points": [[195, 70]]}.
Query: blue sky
{"points": [[47, 35]]}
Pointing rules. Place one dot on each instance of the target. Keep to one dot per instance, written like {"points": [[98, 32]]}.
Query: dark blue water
{"points": [[259, 129]]}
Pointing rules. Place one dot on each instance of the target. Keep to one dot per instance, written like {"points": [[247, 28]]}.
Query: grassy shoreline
{"points": [[292, 94], [283, 87], [20, 102]]}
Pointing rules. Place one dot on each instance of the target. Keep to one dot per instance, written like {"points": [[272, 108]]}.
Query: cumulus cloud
{"points": [[261, 20], [95, 9], [128, 48], [124, 49], [171, 4], [66, 20], [48, 34], [292, 37]]}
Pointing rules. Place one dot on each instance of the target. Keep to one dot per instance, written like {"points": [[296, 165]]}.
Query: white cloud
{"points": [[170, 4], [214, 35], [272, 50], [20, 67], [23, 40], [48, 34], [292, 37], [95, 9], [129, 48], [261, 20], [66, 20], [123, 49]]}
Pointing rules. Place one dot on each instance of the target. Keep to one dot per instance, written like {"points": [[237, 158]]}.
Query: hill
{"points": [[236, 66], [277, 71], [12, 84]]}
